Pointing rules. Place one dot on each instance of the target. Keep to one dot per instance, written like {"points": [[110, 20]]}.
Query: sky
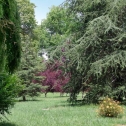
{"points": [[42, 7]]}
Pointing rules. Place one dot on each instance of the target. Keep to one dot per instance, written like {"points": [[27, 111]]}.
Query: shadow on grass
{"points": [[75, 103], [60, 96], [29, 100], [7, 124], [66, 104]]}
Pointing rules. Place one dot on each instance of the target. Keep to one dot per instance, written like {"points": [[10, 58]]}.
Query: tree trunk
{"points": [[61, 94], [45, 94], [24, 98]]}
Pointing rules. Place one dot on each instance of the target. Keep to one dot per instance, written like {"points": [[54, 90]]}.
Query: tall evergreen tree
{"points": [[10, 53], [29, 61], [9, 36], [97, 58]]}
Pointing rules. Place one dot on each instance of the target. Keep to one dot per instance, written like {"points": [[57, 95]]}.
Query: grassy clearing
{"points": [[55, 111]]}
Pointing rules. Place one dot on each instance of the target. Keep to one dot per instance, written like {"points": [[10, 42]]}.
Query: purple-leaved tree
{"points": [[54, 78]]}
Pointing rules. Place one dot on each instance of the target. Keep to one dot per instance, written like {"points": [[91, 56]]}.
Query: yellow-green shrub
{"points": [[110, 108]]}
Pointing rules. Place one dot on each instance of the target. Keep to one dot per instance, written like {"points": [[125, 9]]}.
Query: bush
{"points": [[110, 108], [9, 87]]}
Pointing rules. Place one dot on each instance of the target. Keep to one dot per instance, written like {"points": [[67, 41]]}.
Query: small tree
{"points": [[9, 89], [55, 78]]}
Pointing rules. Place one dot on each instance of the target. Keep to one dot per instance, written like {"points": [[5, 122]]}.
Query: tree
{"points": [[9, 88], [27, 16], [54, 78], [30, 63], [97, 58], [56, 27], [56, 21], [10, 38], [10, 53]]}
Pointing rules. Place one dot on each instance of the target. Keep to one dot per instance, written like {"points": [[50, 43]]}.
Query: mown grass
{"points": [[55, 111]]}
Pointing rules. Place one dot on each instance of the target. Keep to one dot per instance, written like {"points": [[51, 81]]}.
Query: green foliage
{"points": [[10, 38], [98, 56], [27, 16], [30, 62], [30, 65], [9, 89], [34, 90], [93, 95], [110, 108], [56, 21], [56, 27], [10, 53]]}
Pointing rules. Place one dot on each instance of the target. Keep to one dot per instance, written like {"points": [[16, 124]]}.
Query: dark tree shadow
{"points": [[29, 100], [7, 124], [60, 96]]}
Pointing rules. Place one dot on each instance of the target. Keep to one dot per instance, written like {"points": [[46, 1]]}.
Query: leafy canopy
{"points": [[98, 55]]}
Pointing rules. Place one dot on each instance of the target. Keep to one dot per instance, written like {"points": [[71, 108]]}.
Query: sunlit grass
{"points": [[55, 111]]}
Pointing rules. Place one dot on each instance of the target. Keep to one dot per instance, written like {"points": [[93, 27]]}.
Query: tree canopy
{"points": [[97, 57]]}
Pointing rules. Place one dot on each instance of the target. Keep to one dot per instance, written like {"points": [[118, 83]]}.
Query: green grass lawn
{"points": [[55, 111]]}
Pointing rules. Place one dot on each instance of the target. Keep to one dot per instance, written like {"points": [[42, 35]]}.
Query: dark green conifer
{"points": [[98, 58], [9, 36], [9, 53]]}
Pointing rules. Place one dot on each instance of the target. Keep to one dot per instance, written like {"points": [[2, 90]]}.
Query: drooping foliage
{"points": [[9, 36], [10, 53], [97, 58]]}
